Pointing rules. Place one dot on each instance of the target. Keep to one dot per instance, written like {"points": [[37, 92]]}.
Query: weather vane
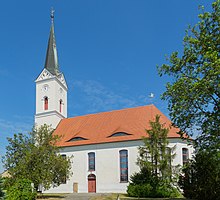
{"points": [[52, 14], [151, 97]]}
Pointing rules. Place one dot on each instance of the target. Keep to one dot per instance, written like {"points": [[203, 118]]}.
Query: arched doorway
{"points": [[92, 183]]}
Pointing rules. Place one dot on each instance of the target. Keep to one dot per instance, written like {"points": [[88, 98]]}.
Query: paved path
{"points": [[83, 196]]}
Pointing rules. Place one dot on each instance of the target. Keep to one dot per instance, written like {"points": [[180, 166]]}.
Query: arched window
{"points": [[91, 161], [45, 103], [61, 103], [123, 165], [185, 155]]}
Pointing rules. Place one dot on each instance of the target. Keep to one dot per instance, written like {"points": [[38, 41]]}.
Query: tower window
{"points": [[61, 103], [45, 103], [123, 165]]}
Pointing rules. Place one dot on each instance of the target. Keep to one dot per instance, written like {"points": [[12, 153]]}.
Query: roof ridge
{"points": [[118, 110]]}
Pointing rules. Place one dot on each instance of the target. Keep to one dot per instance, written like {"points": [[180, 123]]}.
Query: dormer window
{"points": [[45, 103], [117, 134], [76, 139]]}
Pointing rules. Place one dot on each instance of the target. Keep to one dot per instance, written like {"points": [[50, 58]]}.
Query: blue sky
{"points": [[108, 52]]}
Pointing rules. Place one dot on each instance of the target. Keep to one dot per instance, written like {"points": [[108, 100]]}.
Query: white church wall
{"points": [[178, 145], [107, 165]]}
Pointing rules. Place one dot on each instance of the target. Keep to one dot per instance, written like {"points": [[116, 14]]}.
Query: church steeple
{"points": [[51, 63], [51, 87]]}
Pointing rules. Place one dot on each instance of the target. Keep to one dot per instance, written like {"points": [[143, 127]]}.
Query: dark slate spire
{"points": [[51, 63]]}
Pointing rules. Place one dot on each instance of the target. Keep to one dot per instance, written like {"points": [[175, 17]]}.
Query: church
{"points": [[105, 145]]}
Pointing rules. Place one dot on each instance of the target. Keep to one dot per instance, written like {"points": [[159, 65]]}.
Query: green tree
{"points": [[2, 194], [155, 176], [201, 177], [155, 155], [36, 157], [194, 94], [194, 101]]}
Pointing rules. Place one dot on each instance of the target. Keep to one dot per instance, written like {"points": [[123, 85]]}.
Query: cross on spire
{"points": [[52, 14]]}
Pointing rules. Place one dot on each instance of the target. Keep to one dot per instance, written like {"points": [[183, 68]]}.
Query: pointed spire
{"points": [[51, 63]]}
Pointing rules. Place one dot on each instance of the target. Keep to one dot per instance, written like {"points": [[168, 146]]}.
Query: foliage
{"points": [[155, 176], [155, 155], [142, 177], [140, 190], [2, 194], [150, 188], [37, 158], [194, 101], [21, 190], [8, 182], [194, 95], [201, 177]]}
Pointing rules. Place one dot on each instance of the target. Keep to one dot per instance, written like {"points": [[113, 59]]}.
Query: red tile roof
{"points": [[98, 128]]}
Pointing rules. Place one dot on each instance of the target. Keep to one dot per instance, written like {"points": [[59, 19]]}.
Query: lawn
{"points": [[105, 197], [101, 197], [125, 197]]}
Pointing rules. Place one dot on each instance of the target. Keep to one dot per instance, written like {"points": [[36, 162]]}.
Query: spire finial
{"points": [[52, 14], [51, 62]]}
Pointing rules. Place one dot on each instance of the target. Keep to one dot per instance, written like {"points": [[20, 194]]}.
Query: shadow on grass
{"points": [[51, 196]]}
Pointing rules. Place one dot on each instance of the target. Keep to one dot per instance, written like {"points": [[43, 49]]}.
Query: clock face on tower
{"points": [[45, 88]]}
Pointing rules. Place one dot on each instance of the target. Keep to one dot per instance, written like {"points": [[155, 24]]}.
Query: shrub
{"points": [[21, 190], [142, 177], [1, 189], [144, 190], [144, 184], [165, 190], [147, 190]]}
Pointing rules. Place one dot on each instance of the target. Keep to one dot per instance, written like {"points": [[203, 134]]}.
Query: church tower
{"points": [[51, 87]]}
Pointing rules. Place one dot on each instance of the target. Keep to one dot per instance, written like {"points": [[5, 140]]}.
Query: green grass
{"points": [[125, 197], [112, 196], [105, 197]]}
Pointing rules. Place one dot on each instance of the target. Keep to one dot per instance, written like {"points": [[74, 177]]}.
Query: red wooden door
{"points": [[92, 183]]}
